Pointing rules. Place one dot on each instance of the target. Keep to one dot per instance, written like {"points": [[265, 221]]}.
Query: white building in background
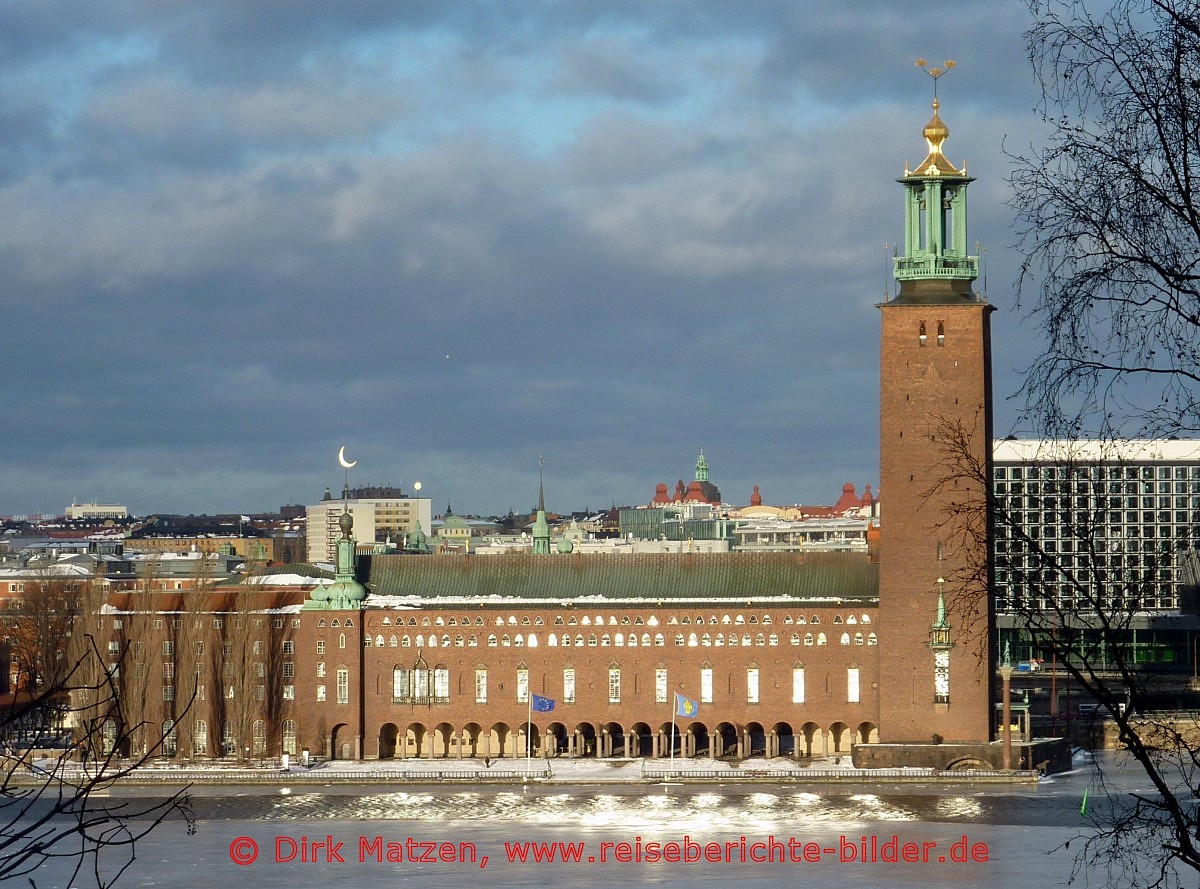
{"points": [[96, 510], [392, 515], [1126, 508]]}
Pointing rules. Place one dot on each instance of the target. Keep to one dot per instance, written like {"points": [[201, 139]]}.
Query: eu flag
{"points": [[542, 705], [686, 706]]}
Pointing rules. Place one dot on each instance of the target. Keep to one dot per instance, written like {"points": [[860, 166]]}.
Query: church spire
{"points": [[541, 528]]}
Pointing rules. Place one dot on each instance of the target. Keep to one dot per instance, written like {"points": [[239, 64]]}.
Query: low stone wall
{"points": [[1045, 755]]}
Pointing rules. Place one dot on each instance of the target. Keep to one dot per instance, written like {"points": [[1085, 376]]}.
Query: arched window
{"points": [[921, 337], [941, 334], [258, 735], [289, 737], [200, 738]]}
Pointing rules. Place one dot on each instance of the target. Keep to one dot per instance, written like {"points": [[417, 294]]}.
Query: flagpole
{"points": [[529, 731], [674, 713]]}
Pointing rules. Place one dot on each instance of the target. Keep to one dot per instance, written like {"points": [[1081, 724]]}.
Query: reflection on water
{"points": [[644, 808], [1024, 827]]}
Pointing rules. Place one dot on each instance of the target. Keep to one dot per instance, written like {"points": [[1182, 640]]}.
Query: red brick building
{"points": [[785, 654]]}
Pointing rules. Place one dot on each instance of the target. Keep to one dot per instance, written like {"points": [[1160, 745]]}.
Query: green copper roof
{"points": [[693, 576]]}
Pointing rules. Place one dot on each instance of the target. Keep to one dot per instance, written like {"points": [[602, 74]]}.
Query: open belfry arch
{"points": [[935, 386]]}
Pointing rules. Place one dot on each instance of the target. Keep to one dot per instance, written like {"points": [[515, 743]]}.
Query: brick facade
{"points": [[935, 410]]}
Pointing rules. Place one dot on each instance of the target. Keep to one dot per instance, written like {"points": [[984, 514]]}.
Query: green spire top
{"points": [[541, 528], [701, 467], [935, 219], [345, 592]]}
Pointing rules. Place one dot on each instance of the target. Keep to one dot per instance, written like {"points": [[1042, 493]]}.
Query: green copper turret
{"points": [[935, 266]]}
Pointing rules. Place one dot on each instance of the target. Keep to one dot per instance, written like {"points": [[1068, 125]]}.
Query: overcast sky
{"points": [[454, 236]]}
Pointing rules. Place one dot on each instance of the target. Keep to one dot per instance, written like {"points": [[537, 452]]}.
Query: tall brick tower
{"points": [[935, 384]]}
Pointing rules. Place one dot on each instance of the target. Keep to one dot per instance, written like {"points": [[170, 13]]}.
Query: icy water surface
{"points": [[995, 836]]}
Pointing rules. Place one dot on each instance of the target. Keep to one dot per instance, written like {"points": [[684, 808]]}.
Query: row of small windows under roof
{"points": [[612, 621], [619, 640], [1093, 471]]}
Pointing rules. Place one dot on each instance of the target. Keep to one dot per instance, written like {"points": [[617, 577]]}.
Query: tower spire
{"points": [[935, 266], [541, 528]]}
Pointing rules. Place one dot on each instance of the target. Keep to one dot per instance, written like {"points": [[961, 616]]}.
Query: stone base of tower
{"points": [[1045, 755]]}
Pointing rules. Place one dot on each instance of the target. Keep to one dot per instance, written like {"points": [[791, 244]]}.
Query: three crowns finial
{"points": [[935, 73]]}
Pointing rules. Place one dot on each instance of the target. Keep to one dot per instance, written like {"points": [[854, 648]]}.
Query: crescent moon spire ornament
{"points": [[345, 464]]}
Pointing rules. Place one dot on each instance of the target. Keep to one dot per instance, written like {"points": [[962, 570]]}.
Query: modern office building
{"points": [[1091, 526]]}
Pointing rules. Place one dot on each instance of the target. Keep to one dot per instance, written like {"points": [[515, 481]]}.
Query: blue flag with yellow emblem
{"points": [[686, 706]]}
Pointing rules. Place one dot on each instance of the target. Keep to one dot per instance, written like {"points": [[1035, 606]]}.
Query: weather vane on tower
{"points": [[935, 73]]}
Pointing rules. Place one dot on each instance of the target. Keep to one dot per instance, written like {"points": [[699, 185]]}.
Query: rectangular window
{"points": [[752, 685], [168, 648], [660, 685], [320, 669], [797, 685], [320, 646], [706, 685], [168, 670], [168, 692], [614, 685], [522, 686], [441, 685], [343, 685], [114, 648], [569, 685], [258, 646], [289, 692], [481, 685], [400, 684], [289, 647], [852, 685], [289, 669], [199, 692], [941, 677], [320, 692]]}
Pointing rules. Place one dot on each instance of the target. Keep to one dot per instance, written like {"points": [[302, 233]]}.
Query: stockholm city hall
{"points": [[786, 654]]}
